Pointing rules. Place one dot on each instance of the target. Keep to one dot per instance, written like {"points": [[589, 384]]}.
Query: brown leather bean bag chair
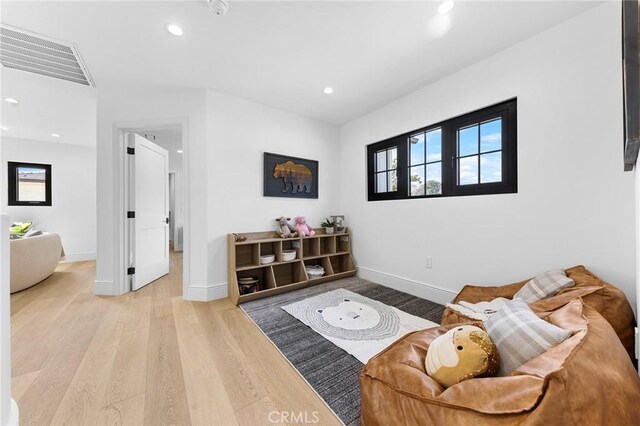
{"points": [[585, 380], [608, 300]]}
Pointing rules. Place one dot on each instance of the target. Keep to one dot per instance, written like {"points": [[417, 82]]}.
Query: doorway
{"points": [[162, 248], [147, 211], [171, 137]]}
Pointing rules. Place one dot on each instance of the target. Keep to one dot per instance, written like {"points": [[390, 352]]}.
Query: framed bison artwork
{"points": [[290, 177]]}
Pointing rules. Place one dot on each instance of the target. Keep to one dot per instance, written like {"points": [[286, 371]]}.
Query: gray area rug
{"points": [[331, 371]]}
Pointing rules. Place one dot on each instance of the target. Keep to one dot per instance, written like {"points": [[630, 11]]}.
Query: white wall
{"points": [[128, 107], [239, 132], [227, 137], [9, 413], [574, 205], [73, 210]]}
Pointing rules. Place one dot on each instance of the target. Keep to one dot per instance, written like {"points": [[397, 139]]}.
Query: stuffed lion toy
{"points": [[462, 353]]}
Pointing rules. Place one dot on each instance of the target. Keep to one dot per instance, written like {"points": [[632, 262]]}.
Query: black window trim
{"points": [[507, 110], [401, 171], [12, 167]]}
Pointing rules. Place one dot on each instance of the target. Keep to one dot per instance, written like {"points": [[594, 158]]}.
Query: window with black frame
{"points": [[29, 184], [473, 154]]}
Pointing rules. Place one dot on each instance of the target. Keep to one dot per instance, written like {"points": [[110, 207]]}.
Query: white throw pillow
{"points": [[520, 335], [544, 285]]}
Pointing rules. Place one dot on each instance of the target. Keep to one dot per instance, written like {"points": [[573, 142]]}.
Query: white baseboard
{"points": [[104, 288], [206, 293], [194, 293], [79, 257], [423, 290], [14, 414]]}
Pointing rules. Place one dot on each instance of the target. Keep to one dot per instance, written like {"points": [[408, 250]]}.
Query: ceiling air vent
{"points": [[22, 50]]}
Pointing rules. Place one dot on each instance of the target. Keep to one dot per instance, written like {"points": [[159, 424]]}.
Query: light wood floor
{"points": [[147, 357]]}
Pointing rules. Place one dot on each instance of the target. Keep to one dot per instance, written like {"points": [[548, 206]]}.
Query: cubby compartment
{"points": [[269, 248], [247, 255], [321, 261], [263, 275], [343, 244], [294, 245], [289, 273], [311, 247], [328, 245], [342, 263]]}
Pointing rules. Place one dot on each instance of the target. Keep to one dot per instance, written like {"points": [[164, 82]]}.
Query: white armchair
{"points": [[33, 259]]}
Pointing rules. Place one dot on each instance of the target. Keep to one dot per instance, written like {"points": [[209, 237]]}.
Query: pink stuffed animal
{"points": [[303, 229]]}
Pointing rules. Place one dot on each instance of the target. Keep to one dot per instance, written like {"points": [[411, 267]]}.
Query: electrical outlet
{"points": [[428, 262]]}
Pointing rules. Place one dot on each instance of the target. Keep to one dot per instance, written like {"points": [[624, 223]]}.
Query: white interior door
{"points": [[150, 201]]}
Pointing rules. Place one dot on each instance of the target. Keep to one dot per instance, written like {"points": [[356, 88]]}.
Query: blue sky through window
{"points": [[434, 145], [417, 149], [491, 136]]}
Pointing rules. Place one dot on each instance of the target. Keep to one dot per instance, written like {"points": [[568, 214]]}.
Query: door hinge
{"points": [[131, 151], [131, 215], [131, 271], [166, 220]]}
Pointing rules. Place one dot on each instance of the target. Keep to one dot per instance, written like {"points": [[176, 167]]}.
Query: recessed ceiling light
{"points": [[445, 7], [179, 151], [55, 135], [328, 90], [174, 29], [12, 100]]}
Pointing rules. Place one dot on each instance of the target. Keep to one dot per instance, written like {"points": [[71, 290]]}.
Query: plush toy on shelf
{"points": [[285, 230], [303, 229]]}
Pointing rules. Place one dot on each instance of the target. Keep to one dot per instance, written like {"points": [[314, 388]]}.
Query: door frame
{"points": [[121, 195], [172, 212], [177, 218]]}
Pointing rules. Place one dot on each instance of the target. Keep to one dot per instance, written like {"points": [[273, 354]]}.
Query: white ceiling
{"points": [[47, 106], [283, 54]]}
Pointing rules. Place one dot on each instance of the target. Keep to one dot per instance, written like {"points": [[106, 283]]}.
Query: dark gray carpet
{"points": [[331, 371]]}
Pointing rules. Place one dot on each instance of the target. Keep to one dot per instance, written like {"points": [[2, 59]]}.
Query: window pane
{"points": [[491, 167], [468, 170], [416, 143], [381, 182], [417, 180], [468, 141], [491, 136], [32, 184], [434, 145], [392, 158], [434, 179], [381, 160], [393, 180]]}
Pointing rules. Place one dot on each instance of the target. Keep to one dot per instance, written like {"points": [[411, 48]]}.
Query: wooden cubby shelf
{"points": [[331, 251]]}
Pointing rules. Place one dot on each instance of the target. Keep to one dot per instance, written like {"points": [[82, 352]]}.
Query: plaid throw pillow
{"points": [[543, 286], [520, 335]]}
